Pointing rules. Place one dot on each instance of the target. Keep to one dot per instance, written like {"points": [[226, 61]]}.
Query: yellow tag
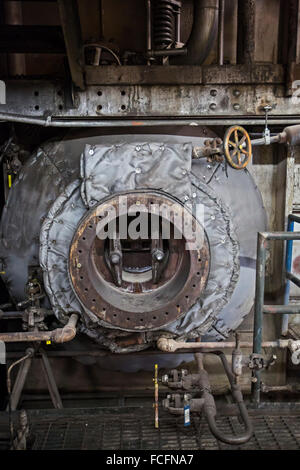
{"points": [[9, 181], [48, 342]]}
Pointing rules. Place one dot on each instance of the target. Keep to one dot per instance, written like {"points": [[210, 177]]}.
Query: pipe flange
{"points": [[137, 302]]}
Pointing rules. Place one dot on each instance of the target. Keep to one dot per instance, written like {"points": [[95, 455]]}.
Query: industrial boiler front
{"points": [[136, 236]]}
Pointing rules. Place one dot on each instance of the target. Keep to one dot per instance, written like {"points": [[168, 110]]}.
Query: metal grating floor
{"points": [[125, 431]]}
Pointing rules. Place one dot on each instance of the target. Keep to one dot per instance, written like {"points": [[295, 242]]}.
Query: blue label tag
{"points": [[187, 420]]}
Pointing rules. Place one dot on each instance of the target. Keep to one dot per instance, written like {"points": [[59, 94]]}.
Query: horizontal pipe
{"points": [[292, 388], [282, 309], [166, 52], [280, 235], [19, 314], [55, 121], [11, 315], [60, 335], [170, 345]]}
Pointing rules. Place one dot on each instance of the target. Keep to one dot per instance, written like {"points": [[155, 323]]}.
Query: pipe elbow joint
{"points": [[67, 333]]}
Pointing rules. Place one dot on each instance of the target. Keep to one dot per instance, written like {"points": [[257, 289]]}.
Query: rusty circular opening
{"points": [[137, 282]]}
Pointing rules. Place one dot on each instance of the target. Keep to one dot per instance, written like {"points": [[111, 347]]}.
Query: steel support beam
{"points": [[70, 22]]}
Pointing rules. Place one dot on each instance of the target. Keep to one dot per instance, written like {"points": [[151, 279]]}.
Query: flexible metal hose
{"points": [[209, 406]]}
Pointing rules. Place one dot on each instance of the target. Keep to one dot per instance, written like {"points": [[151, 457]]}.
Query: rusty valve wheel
{"points": [[237, 147]]}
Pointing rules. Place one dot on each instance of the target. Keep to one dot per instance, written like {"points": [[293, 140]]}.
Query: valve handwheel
{"points": [[237, 147]]}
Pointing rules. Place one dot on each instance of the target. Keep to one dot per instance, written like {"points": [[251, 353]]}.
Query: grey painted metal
{"points": [[150, 165]]}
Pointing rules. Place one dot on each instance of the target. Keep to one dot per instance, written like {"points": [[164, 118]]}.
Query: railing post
{"points": [[258, 310], [288, 267]]}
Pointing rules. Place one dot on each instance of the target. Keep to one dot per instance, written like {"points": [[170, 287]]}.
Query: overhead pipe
{"points": [[203, 35], [221, 32], [246, 32]]}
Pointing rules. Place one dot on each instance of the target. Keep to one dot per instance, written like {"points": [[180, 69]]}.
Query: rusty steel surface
{"points": [[138, 304]]}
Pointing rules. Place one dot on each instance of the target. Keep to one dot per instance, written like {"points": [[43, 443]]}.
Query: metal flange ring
{"points": [[237, 147], [137, 303]]}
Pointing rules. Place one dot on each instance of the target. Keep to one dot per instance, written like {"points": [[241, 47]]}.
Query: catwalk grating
{"points": [[125, 429]]}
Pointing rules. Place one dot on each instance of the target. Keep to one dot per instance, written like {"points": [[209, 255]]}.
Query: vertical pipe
{"points": [[178, 26], [149, 29], [203, 35], [246, 32], [288, 266], [149, 22], [221, 32], [20, 382], [293, 6], [258, 310]]}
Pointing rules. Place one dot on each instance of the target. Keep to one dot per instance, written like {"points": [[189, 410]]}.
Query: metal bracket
{"points": [[267, 133]]}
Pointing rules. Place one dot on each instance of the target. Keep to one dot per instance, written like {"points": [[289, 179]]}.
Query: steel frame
{"points": [[132, 96], [259, 307]]}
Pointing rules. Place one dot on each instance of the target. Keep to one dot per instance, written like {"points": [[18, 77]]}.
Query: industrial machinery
{"points": [[134, 219], [128, 290]]}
